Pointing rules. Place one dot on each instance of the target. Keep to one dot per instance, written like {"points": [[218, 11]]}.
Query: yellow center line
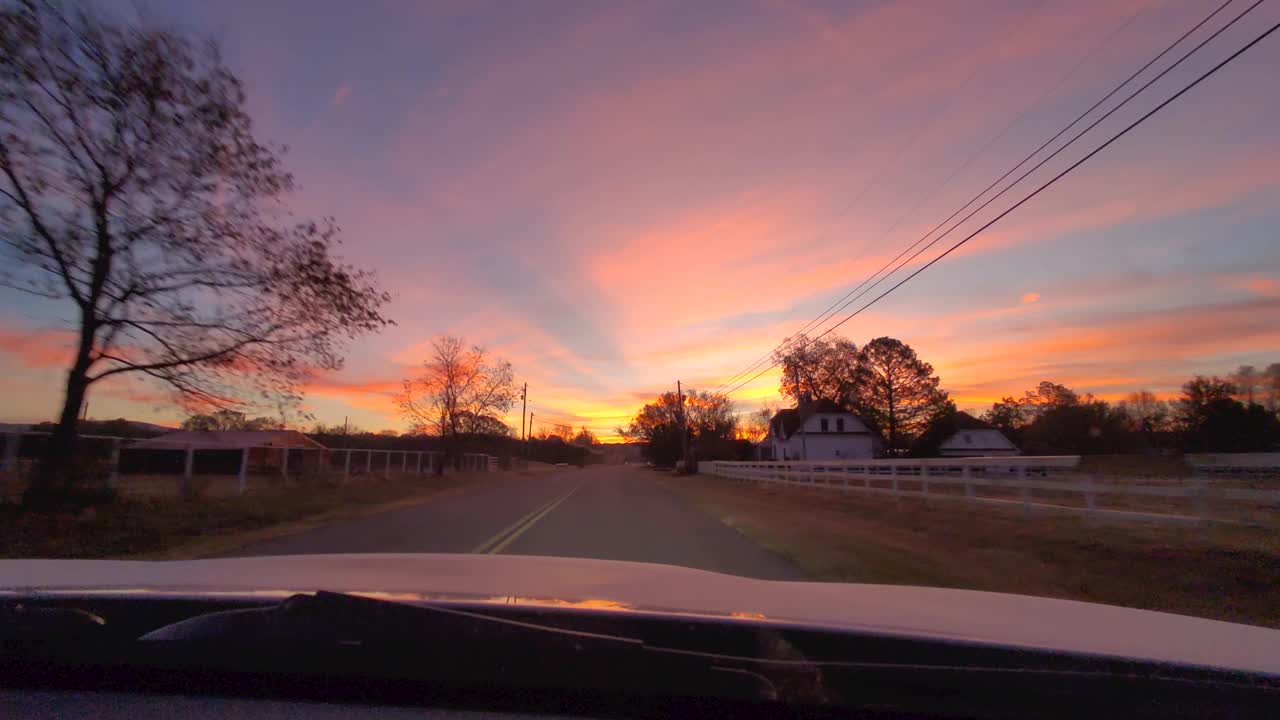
{"points": [[524, 526], [484, 546]]}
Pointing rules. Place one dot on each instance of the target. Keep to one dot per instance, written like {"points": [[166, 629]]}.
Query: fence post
{"points": [[114, 476], [968, 486], [11, 443], [184, 489], [893, 473], [368, 464], [1199, 493], [386, 469], [1024, 491], [346, 467], [1090, 501], [284, 465], [418, 470], [243, 475]]}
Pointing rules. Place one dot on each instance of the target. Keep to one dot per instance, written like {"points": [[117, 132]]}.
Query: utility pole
{"points": [[524, 400], [684, 428], [529, 436]]}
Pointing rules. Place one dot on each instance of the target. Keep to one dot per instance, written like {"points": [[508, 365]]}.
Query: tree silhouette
{"points": [[132, 188], [822, 369], [226, 420], [459, 391], [710, 421], [897, 392]]}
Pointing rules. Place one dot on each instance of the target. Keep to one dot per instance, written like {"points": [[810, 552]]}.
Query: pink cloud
{"points": [[340, 96], [1261, 285], [37, 348], [1029, 298]]}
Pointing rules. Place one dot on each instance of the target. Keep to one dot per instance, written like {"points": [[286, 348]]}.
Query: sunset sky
{"points": [[617, 195]]}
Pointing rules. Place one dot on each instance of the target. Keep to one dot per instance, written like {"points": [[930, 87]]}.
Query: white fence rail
{"points": [[976, 479], [349, 462]]}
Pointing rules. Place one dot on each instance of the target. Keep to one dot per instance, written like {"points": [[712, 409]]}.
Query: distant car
{"points": [[562, 464]]}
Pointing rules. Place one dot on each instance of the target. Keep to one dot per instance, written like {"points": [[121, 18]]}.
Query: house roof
{"points": [[978, 439], [229, 440], [786, 422]]}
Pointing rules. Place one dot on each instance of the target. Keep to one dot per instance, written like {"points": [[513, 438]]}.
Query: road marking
{"points": [[530, 522], [533, 516], [484, 546]]}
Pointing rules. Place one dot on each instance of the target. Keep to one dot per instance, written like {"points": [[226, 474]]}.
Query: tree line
{"points": [[1238, 413], [899, 396]]}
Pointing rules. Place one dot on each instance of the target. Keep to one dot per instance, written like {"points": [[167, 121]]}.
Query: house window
{"points": [[823, 422], [839, 424]]}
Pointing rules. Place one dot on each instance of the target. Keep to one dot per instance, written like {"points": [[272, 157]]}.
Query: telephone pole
{"points": [[524, 399], [529, 436], [684, 429]]}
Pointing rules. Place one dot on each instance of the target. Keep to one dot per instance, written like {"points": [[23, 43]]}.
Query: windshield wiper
{"points": [[335, 634], [352, 620]]}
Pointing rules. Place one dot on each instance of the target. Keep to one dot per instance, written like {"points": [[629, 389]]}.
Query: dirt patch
{"points": [[1226, 573]]}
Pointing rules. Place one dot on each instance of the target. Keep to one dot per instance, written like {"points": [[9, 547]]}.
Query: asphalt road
{"points": [[606, 512]]}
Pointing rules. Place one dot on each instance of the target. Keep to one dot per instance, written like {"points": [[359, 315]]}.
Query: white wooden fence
{"points": [[352, 461], [1021, 478], [424, 462]]}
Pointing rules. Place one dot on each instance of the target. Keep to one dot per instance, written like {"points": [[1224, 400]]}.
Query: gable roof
{"points": [[786, 423], [978, 439], [229, 440]]}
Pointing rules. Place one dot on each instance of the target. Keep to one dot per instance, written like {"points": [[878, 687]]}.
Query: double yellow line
{"points": [[508, 534]]}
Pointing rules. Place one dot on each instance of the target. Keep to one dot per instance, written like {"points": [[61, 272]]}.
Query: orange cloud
{"points": [[37, 348], [1260, 285], [1029, 298]]}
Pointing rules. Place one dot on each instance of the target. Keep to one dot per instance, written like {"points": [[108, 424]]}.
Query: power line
{"points": [[898, 154], [1042, 162], [845, 299], [1038, 190]]}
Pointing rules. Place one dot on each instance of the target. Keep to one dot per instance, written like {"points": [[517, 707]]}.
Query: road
{"points": [[605, 512]]}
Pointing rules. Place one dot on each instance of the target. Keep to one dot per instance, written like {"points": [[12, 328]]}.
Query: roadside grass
{"points": [[1226, 573], [167, 527]]}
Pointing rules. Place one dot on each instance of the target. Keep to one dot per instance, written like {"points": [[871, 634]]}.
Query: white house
{"points": [[818, 431], [979, 442]]}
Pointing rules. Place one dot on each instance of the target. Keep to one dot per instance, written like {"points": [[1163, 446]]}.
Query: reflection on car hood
{"points": [[609, 585]]}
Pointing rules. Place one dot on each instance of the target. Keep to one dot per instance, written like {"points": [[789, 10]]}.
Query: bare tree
{"points": [[1145, 412], [132, 188], [585, 437], [707, 418], [460, 391], [228, 420], [821, 369], [754, 426], [1248, 382], [1271, 386]]}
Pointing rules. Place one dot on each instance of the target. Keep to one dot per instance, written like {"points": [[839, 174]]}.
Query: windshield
{"points": [[922, 294]]}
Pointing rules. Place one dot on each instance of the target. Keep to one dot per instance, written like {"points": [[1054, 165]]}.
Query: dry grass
{"points": [[163, 525], [1227, 573]]}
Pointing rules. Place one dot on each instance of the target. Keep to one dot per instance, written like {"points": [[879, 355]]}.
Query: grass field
{"points": [[1228, 573], [161, 525]]}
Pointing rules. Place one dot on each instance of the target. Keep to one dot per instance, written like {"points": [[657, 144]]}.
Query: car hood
{"points": [[608, 585]]}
